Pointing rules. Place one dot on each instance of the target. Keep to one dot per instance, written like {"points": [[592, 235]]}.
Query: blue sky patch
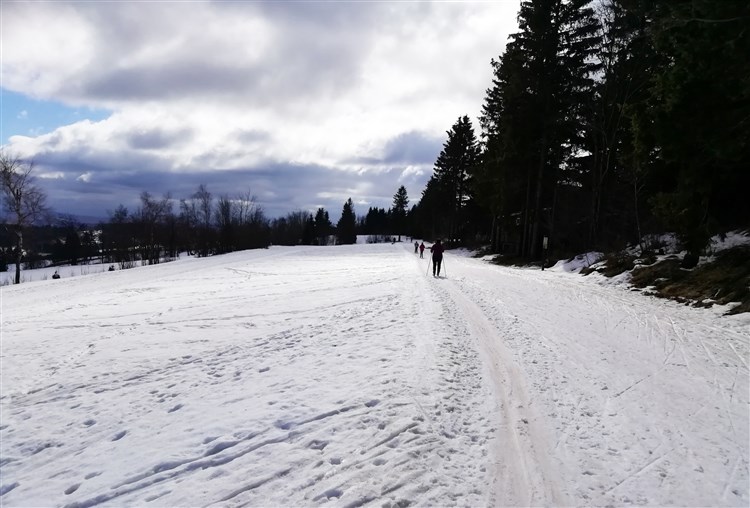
{"points": [[21, 115]]}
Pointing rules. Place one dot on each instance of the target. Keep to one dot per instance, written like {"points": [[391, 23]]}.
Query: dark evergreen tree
{"points": [[615, 174], [323, 226], [701, 116], [431, 212], [398, 211], [308, 232], [502, 180], [451, 188], [534, 115], [346, 228], [376, 222], [72, 246]]}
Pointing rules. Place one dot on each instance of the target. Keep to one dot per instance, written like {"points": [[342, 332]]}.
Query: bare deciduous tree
{"points": [[152, 215], [204, 200], [23, 201]]}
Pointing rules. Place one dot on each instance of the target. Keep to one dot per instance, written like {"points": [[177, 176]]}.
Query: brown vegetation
{"points": [[724, 280]]}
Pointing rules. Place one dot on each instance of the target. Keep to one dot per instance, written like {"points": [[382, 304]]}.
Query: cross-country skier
{"points": [[421, 250], [416, 247], [437, 257]]}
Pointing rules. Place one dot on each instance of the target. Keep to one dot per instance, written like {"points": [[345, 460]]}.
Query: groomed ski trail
{"points": [[522, 473], [622, 398]]}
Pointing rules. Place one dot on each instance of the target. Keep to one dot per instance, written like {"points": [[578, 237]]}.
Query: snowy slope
{"points": [[345, 376]]}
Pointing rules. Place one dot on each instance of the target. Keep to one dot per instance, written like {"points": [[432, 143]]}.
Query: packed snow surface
{"points": [[347, 376]]}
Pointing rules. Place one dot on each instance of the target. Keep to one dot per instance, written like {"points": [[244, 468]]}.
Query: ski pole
{"points": [[445, 270], [428, 267]]}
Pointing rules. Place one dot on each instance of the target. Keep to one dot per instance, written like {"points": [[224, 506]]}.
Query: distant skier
{"points": [[55, 275], [437, 257], [421, 250], [416, 247]]}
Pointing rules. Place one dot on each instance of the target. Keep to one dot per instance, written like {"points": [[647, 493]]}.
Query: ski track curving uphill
{"points": [[344, 376]]}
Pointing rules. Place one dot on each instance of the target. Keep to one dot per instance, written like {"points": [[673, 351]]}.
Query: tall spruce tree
{"points": [[533, 115], [502, 179], [614, 175], [346, 228], [452, 175], [323, 226], [398, 210], [308, 231], [701, 118]]}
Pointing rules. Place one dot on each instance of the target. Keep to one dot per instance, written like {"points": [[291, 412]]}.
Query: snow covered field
{"points": [[344, 376]]}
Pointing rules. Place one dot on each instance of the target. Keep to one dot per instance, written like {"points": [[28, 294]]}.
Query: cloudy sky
{"points": [[300, 103]]}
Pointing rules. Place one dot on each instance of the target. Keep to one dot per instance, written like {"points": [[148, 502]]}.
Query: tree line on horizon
{"points": [[161, 228], [604, 122]]}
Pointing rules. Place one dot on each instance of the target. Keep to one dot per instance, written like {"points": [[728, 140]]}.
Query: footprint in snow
{"points": [[317, 444], [333, 493], [119, 435], [283, 425], [72, 489], [175, 408]]}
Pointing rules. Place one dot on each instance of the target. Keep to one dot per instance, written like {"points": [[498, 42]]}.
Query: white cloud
{"points": [[55, 175], [23, 115], [410, 171], [200, 86]]}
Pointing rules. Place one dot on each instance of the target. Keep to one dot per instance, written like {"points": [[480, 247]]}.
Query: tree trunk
{"points": [[635, 207], [19, 253], [523, 245], [534, 240]]}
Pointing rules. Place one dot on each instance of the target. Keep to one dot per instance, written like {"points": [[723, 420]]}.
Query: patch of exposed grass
{"points": [[725, 280], [587, 270], [616, 264]]}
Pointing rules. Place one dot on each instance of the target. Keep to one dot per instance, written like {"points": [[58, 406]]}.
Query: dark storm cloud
{"points": [[158, 138], [412, 148], [409, 148], [278, 187]]}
